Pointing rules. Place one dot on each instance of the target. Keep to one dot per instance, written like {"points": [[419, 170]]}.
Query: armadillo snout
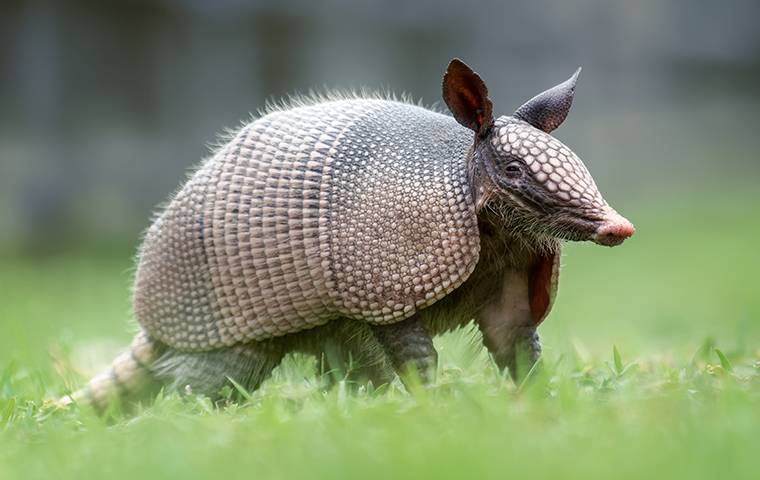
{"points": [[613, 230]]}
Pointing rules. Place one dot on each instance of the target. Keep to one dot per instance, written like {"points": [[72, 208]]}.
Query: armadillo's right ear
{"points": [[466, 95]]}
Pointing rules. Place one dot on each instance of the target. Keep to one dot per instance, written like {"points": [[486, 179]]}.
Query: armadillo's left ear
{"points": [[466, 95], [547, 110]]}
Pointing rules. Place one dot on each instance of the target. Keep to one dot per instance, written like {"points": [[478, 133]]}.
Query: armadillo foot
{"points": [[410, 349], [520, 354]]}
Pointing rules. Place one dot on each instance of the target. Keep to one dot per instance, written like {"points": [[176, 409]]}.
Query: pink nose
{"points": [[613, 231]]}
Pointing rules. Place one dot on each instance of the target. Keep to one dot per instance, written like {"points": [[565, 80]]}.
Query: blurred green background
{"points": [[104, 106]]}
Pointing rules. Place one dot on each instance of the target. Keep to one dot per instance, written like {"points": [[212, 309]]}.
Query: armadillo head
{"points": [[525, 173]]}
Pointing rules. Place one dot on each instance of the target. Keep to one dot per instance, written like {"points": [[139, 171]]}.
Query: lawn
{"points": [[651, 368]]}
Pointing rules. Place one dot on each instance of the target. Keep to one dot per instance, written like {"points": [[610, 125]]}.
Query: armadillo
{"points": [[356, 228]]}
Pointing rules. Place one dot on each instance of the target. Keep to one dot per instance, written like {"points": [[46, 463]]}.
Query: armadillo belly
{"points": [[357, 208]]}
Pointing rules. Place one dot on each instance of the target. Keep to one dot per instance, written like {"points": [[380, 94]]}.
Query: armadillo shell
{"points": [[358, 208]]}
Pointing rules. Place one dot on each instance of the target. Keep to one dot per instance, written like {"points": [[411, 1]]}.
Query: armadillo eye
{"points": [[513, 169]]}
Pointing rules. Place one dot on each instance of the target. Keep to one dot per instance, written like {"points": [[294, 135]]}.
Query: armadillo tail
{"points": [[128, 378]]}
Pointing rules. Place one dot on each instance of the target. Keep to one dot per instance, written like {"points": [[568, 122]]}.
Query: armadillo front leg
{"points": [[515, 348], [508, 329], [410, 349]]}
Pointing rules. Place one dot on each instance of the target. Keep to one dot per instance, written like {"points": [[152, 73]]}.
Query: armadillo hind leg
{"points": [[352, 352], [128, 379], [410, 349], [207, 373]]}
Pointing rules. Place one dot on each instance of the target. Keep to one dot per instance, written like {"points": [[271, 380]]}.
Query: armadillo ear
{"points": [[547, 110], [466, 95]]}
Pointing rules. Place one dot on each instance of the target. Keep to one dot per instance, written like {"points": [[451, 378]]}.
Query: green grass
{"points": [[651, 369]]}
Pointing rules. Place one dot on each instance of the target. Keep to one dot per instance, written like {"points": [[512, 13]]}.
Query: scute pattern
{"points": [[553, 165], [355, 208], [403, 226]]}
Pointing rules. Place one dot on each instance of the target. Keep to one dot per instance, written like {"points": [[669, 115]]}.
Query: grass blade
{"points": [[619, 367], [241, 389], [724, 361], [7, 414]]}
